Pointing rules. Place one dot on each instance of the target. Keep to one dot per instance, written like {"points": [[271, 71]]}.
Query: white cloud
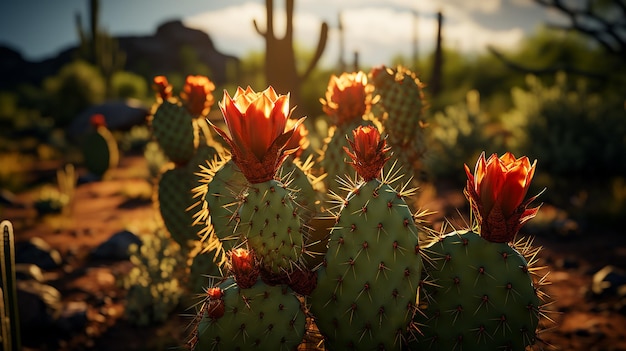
{"points": [[377, 32]]}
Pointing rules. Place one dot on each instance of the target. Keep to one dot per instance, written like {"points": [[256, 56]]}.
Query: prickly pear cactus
{"points": [[402, 99], [366, 291], [272, 227], [100, 149], [175, 121], [480, 297], [174, 198], [268, 218], [261, 317], [347, 104], [175, 131], [479, 293], [217, 198]]}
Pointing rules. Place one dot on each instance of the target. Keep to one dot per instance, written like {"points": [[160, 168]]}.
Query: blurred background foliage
{"points": [[558, 98]]}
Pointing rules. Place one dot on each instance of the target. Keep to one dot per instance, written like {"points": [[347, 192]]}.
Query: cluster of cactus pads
{"points": [[376, 277]]}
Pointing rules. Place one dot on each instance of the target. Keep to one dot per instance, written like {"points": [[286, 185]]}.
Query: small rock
{"points": [[28, 271], [38, 304], [608, 280], [38, 252], [73, 317], [116, 248]]}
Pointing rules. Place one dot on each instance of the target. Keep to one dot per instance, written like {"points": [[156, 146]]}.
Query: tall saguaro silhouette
{"points": [[280, 59], [436, 78]]}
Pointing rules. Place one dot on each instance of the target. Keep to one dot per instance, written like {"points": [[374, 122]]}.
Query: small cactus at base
{"points": [[261, 317], [479, 292]]}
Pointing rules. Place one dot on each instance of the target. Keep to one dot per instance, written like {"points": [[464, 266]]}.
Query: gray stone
{"points": [[116, 247], [38, 252]]}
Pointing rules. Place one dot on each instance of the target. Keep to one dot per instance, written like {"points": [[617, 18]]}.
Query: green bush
{"points": [[573, 132], [127, 85], [77, 86]]}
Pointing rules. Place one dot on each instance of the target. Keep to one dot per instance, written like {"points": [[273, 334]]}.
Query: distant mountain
{"points": [[155, 54]]}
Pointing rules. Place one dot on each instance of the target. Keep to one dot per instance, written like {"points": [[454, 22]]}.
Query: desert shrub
{"points": [[154, 290], [77, 86], [128, 85], [573, 132], [457, 135]]}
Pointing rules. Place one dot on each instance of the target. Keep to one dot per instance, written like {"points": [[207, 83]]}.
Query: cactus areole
{"points": [[368, 152], [496, 193], [256, 122]]}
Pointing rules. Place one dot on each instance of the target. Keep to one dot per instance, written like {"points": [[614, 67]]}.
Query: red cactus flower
{"points": [[496, 193], [258, 140], [348, 97], [98, 120], [369, 154], [162, 88], [245, 268], [197, 95]]}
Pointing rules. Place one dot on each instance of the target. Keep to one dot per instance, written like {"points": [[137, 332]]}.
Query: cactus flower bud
{"points": [[215, 305], [162, 88], [496, 192], [369, 152], [244, 267], [197, 95]]}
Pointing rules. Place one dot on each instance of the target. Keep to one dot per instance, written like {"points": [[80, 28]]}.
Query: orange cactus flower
{"points": [[256, 122], [496, 192], [162, 88], [244, 267], [369, 154], [348, 97], [197, 95]]}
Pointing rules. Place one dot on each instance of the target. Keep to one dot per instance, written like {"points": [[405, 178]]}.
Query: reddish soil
{"points": [[581, 321]]}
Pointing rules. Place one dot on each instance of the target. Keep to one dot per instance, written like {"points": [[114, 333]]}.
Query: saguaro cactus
{"points": [[280, 58]]}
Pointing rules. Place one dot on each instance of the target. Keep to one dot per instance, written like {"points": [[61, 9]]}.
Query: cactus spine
{"points": [[10, 318], [367, 285]]}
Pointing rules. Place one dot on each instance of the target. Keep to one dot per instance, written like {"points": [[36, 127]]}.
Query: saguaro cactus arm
{"points": [[321, 45]]}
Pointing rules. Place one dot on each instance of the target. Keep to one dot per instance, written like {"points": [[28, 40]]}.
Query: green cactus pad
{"points": [[299, 178], [221, 184], [479, 296], [176, 132], [100, 151], [262, 317], [174, 200], [367, 287], [271, 224], [402, 98]]}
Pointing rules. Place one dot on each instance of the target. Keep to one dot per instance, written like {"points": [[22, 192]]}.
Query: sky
{"points": [[377, 29]]}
